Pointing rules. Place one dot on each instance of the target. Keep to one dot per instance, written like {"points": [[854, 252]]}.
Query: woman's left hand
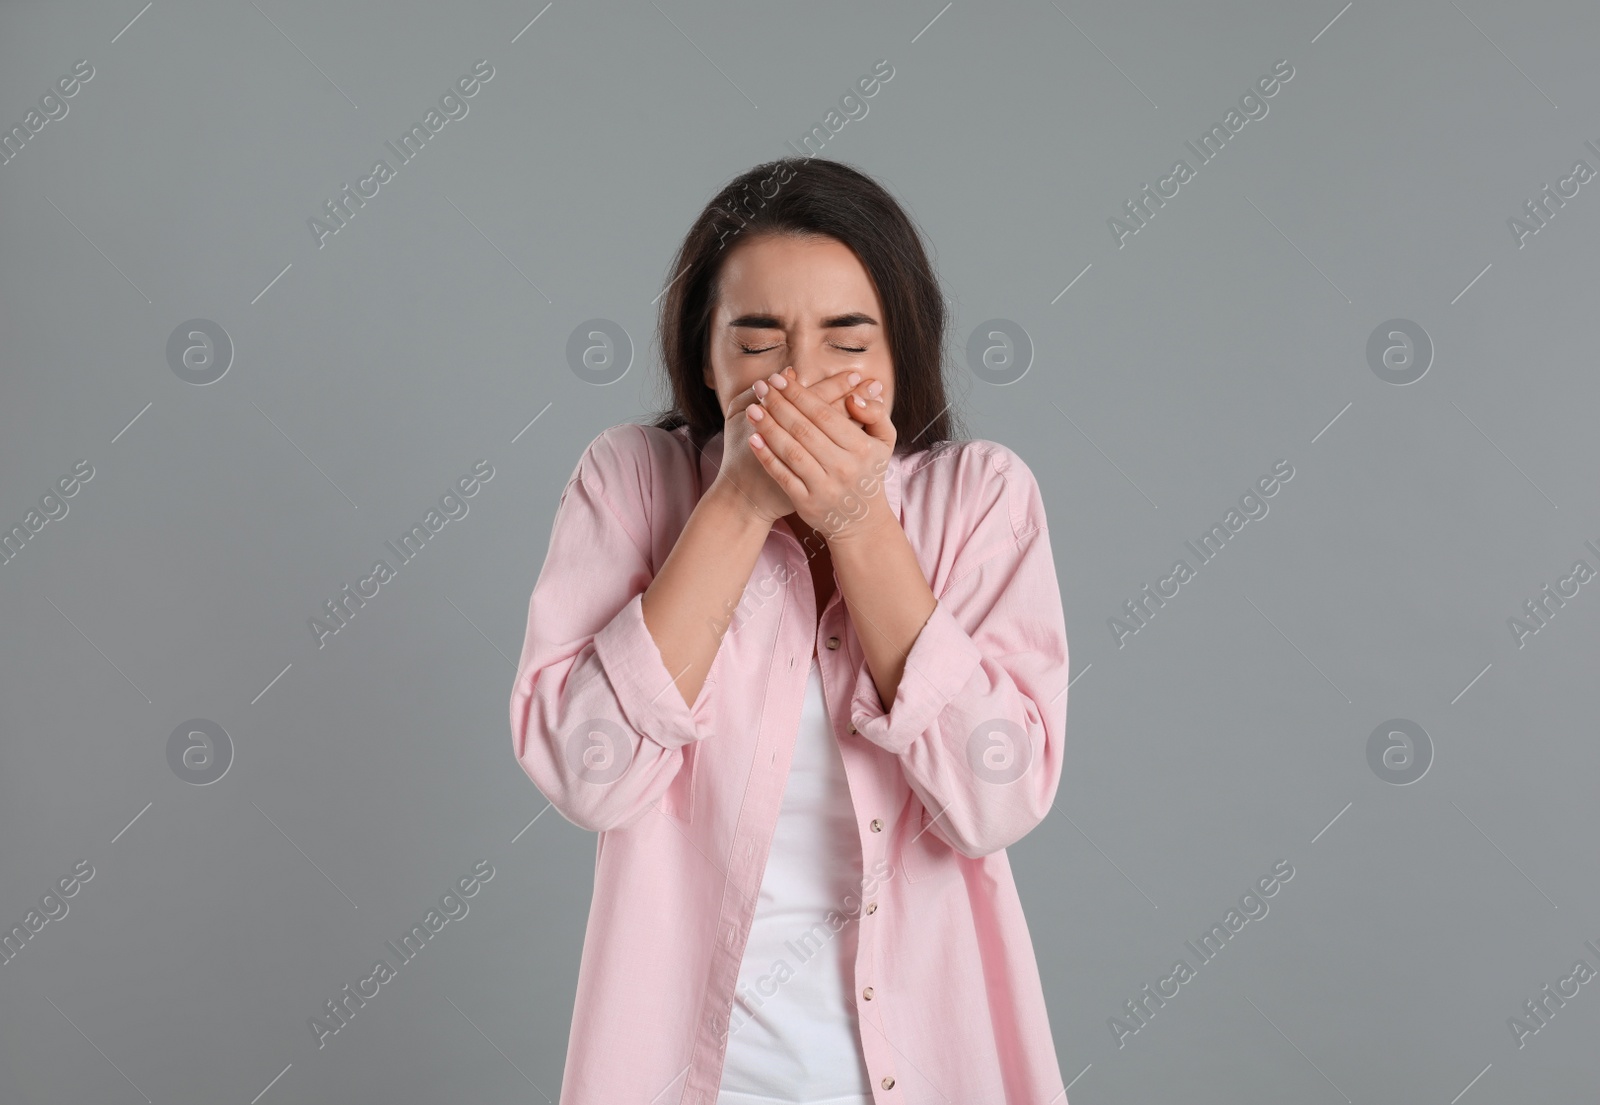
{"points": [[831, 466]]}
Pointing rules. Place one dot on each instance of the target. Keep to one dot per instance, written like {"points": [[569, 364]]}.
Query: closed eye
{"points": [[842, 348]]}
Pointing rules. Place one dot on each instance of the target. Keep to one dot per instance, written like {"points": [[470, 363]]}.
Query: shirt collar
{"points": [[711, 462]]}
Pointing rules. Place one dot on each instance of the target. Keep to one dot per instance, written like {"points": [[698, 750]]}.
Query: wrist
{"points": [[734, 510], [867, 531]]}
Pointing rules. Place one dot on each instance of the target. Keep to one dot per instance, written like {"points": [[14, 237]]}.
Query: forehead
{"points": [[784, 273]]}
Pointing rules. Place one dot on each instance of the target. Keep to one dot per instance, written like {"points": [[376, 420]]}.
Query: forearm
{"points": [[690, 603], [883, 588]]}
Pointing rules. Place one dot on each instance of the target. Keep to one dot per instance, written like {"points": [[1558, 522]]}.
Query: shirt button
{"points": [[872, 907], [877, 825], [867, 993], [833, 642], [888, 1083]]}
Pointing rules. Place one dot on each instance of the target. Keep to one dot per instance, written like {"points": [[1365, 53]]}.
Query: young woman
{"points": [[798, 656]]}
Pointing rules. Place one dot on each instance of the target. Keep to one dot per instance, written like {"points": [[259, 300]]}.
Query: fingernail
{"points": [[761, 389], [875, 387], [755, 439], [757, 413], [853, 379], [778, 381], [860, 402]]}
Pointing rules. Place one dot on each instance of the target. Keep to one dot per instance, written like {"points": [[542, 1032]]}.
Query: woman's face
{"points": [[806, 302]]}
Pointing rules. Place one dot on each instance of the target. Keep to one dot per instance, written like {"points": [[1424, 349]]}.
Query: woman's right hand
{"points": [[742, 473]]}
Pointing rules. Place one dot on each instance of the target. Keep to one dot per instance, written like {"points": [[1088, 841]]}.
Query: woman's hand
{"points": [[742, 472], [829, 466]]}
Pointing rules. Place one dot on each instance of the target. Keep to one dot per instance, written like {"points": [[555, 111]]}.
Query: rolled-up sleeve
{"points": [[596, 720], [978, 719]]}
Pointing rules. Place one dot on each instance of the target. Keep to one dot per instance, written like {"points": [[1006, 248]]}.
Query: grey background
{"points": [[431, 332]]}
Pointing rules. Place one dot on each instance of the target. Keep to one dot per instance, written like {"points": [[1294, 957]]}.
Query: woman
{"points": [[799, 657]]}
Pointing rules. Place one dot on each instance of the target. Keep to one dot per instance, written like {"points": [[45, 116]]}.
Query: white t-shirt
{"points": [[793, 1030]]}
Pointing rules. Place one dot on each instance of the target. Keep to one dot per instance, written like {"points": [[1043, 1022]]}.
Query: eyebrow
{"points": [[769, 322]]}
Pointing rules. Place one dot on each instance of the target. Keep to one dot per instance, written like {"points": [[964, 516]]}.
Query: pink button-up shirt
{"points": [[965, 761]]}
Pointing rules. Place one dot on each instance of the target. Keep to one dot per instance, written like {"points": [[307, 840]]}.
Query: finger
{"points": [[741, 401], [865, 409], [830, 389], [758, 390], [820, 405], [858, 391], [878, 424], [835, 390], [873, 417], [780, 472], [794, 439]]}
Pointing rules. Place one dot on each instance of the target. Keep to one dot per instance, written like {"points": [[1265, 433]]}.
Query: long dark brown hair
{"points": [[811, 197]]}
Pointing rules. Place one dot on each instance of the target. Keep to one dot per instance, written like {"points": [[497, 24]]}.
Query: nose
{"points": [[801, 363], [808, 368]]}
